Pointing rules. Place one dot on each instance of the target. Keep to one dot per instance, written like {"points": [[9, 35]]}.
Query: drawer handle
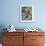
{"points": [[33, 39], [11, 38]]}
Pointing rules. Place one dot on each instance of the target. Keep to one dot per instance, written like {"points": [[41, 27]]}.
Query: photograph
{"points": [[26, 13]]}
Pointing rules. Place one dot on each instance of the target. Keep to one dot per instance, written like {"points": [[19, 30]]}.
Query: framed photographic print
{"points": [[26, 13]]}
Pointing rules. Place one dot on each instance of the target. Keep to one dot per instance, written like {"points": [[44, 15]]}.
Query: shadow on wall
{"points": [[2, 26]]}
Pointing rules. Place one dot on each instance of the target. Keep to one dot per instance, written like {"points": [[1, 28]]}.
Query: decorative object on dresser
{"points": [[11, 28], [23, 39]]}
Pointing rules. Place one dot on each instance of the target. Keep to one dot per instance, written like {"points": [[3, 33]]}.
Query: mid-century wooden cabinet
{"points": [[23, 39]]}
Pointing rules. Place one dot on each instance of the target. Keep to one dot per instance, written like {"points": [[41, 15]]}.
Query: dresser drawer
{"points": [[12, 39], [37, 44], [37, 39], [13, 33], [8, 45], [34, 33], [13, 44]]}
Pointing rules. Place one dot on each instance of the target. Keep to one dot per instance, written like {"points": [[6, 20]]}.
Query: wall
{"points": [[10, 13]]}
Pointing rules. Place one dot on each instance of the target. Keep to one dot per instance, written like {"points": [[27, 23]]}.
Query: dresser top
{"points": [[22, 30]]}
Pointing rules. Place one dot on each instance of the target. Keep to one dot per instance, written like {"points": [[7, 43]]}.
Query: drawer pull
{"points": [[10, 39], [33, 39]]}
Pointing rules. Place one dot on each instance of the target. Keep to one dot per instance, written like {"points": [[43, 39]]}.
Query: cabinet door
{"points": [[13, 40], [37, 40], [27, 40]]}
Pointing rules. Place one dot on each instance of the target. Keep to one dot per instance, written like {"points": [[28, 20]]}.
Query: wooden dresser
{"points": [[23, 39]]}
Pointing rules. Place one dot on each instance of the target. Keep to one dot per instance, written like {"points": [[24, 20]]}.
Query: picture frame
{"points": [[26, 13]]}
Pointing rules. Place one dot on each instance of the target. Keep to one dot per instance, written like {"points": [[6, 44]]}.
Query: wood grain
{"points": [[23, 38]]}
